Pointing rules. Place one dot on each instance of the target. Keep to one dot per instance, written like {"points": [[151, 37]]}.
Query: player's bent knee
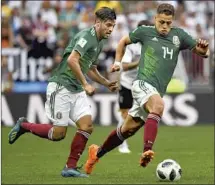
{"points": [[159, 108], [85, 124], [59, 133], [87, 128], [58, 138], [155, 104]]}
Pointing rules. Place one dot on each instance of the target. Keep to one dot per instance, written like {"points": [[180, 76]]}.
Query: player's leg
{"points": [[131, 125], [84, 129], [47, 131], [81, 115], [154, 106], [151, 107], [77, 147], [123, 148], [116, 137], [147, 105], [125, 101], [56, 110]]}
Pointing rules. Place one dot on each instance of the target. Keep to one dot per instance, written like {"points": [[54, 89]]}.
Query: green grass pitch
{"points": [[32, 160]]}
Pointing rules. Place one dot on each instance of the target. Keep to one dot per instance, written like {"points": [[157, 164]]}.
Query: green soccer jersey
{"points": [[89, 47], [159, 54]]}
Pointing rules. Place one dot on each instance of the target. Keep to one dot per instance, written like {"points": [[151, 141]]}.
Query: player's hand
{"points": [[202, 46], [113, 86], [89, 89], [114, 68]]}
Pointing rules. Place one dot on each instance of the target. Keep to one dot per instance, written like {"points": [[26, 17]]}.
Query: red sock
{"points": [[77, 147], [114, 139], [150, 130], [41, 130]]}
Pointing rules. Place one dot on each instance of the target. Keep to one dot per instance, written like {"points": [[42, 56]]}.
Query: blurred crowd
{"points": [[44, 28]]}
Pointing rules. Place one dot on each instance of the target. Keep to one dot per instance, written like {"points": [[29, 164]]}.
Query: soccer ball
{"points": [[168, 170]]}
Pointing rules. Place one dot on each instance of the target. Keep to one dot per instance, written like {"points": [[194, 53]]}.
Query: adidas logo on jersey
{"points": [[155, 39], [92, 32]]}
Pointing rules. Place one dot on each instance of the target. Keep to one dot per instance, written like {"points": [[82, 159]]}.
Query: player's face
{"points": [[163, 23], [107, 28]]}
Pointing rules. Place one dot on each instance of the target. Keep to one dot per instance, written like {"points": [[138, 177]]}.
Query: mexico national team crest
{"points": [[176, 41], [59, 115]]}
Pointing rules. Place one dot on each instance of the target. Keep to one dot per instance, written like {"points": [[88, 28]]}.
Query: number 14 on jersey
{"points": [[166, 52]]}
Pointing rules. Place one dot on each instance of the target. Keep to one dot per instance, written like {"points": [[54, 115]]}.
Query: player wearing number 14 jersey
{"points": [[161, 45]]}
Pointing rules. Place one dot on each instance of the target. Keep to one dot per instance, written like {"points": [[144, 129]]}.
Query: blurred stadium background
{"points": [[35, 33]]}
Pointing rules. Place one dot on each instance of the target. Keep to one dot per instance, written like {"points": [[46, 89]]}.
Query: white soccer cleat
{"points": [[124, 150]]}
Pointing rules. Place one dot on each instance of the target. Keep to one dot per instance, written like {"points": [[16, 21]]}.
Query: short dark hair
{"points": [[166, 9], [144, 22], [105, 13]]}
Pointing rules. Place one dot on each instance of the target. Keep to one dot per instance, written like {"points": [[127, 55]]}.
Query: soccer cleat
{"points": [[146, 158], [124, 150], [72, 172], [17, 130], [92, 158]]}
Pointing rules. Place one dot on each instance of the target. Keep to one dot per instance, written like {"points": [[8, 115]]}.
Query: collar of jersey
{"points": [[162, 35], [96, 34]]}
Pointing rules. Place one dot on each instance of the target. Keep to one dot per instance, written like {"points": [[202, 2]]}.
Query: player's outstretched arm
{"points": [[202, 48], [120, 50]]}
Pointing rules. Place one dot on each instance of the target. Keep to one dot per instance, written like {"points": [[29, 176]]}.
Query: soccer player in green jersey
{"points": [[68, 88], [161, 45]]}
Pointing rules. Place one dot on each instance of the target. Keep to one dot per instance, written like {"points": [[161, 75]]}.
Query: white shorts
{"points": [[141, 92], [62, 105]]}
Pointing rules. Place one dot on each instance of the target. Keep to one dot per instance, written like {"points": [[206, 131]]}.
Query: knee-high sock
{"points": [[77, 147], [120, 122], [150, 130], [41, 130], [113, 140]]}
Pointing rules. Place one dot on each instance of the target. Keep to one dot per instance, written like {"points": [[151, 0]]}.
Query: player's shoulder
{"points": [[87, 33], [177, 30], [146, 27]]}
